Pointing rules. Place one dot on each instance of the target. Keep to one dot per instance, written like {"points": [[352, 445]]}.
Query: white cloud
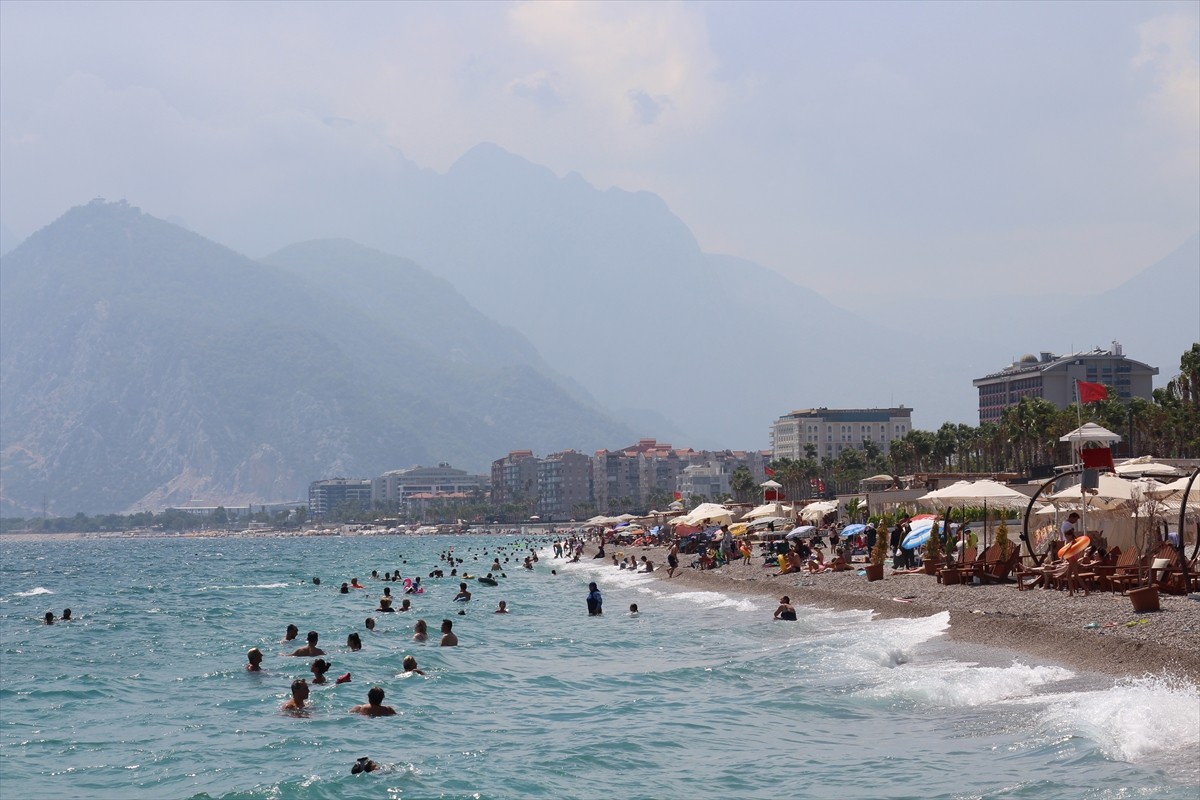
{"points": [[1169, 54], [625, 66]]}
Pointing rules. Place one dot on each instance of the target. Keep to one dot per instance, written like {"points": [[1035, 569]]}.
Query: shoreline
{"points": [[1047, 625]]}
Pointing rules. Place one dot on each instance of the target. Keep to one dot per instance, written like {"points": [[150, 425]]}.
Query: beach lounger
{"points": [[1001, 569]]}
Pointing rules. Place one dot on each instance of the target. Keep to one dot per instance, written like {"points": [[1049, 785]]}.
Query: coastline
{"points": [[1047, 625]]}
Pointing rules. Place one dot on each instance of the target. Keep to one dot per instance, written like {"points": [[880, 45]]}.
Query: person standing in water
{"points": [[595, 602]]}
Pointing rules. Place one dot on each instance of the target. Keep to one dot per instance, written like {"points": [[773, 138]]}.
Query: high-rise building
{"points": [[514, 477], [1054, 378], [392, 489], [326, 495], [564, 483], [832, 430]]}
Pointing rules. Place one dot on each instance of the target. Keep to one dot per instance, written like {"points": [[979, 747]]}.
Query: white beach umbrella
{"points": [[767, 510], [815, 511], [1147, 465], [710, 511]]}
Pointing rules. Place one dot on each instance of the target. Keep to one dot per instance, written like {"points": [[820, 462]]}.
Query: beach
{"points": [[1046, 624]]}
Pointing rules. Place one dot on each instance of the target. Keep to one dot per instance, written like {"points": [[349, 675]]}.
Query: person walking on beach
{"points": [[673, 559], [726, 544], [595, 602], [374, 706]]}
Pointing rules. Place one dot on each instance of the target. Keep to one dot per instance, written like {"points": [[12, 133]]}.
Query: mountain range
{"points": [[536, 311], [142, 365]]}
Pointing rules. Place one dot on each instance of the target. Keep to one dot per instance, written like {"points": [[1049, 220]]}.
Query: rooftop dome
{"points": [[1028, 358]]}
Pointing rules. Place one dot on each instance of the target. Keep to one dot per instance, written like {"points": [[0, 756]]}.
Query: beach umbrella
{"points": [[853, 530], [813, 512], [711, 511], [801, 531], [768, 510], [1147, 465], [919, 535]]}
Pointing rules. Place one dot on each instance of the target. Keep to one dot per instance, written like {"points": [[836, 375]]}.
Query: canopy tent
{"points": [[770, 485], [1090, 432]]}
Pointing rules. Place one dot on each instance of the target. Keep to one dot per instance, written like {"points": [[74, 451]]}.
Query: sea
{"points": [[699, 695]]}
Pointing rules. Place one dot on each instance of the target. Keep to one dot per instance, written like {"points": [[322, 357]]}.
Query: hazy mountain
{"points": [[8, 239], [613, 290], [143, 365]]}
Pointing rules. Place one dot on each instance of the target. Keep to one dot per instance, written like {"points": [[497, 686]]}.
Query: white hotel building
{"points": [[832, 430]]}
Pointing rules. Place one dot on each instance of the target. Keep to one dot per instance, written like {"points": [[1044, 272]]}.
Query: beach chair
{"points": [[958, 568], [1001, 569], [1131, 572], [972, 569], [1166, 570]]}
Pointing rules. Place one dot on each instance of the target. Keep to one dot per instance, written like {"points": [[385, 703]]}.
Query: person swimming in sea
{"points": [[420, 631], [374, 706], [595, 602], [463, 595], [291, 634], [309, 649], [410, 665], [318, 668], [299, 695], [502, 608], [786, 610], [354, 641], [254, 656]]}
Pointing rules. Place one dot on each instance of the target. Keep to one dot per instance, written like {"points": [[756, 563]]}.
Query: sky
{"points": [[874, 152]]}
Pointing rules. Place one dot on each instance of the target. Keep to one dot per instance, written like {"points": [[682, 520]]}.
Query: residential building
{"points": [[514, 477], [832, 430], [564, 482], [326, 495], [1054, 378]]}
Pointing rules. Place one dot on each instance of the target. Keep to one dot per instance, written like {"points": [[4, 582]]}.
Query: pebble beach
{"points": [[1098, 632]]}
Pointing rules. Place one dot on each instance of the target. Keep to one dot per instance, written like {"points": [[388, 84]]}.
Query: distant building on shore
{"points": [[326, 495], [564, 483], [832, 430], [514, 477], [392, 489], [1054, 378]]}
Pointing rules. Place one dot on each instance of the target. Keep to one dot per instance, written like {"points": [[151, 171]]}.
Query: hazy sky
{"points": [[869, 151]]}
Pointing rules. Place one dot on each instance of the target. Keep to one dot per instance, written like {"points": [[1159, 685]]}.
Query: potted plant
{"points": [[879, 553], [933, 551]]}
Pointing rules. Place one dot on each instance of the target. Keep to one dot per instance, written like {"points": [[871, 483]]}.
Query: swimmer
{"points": [[299, 695], [410, 665], [405, 605], [647, 565], [496, 565], [345, 588], [49, 618], [363, 764], [254, 656], [595, 602], [354, 641], [786, 610], [448, 637], [463, 595], [316, 581], [374, 706], [633, 609], [420, 631], [311, 648], [318, 668], [354, 584], [503, 608], [385, 605], [414, 587], [291, 634], [66, 615], [370, 623]]}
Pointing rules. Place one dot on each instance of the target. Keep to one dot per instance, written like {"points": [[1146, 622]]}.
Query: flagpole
{"points": [[1079, 453]]}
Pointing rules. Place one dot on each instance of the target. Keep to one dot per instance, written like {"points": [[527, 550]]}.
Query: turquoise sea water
{"points": [[699, 696]]}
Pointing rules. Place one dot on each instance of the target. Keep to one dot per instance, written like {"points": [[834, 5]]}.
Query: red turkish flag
{"points": [[1091, 392]]}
